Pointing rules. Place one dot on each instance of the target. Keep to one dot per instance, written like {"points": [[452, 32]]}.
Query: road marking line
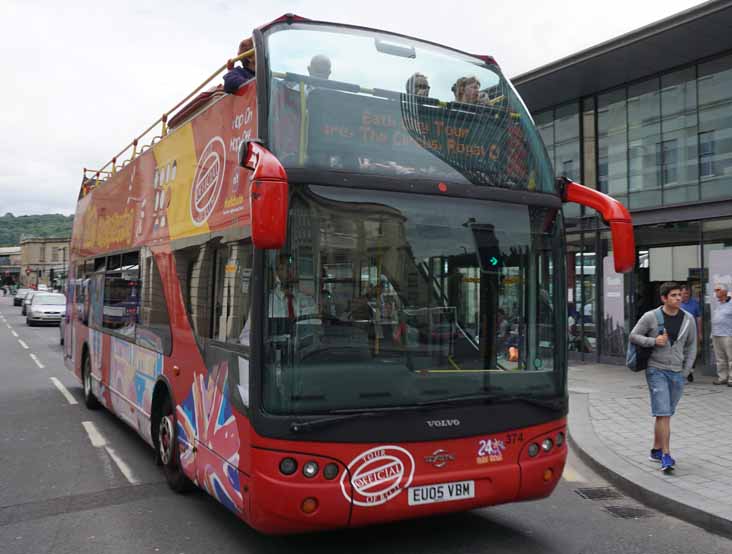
{"points": [[60, 386], [38, 362], [570, 474], [23, 344], [14, 334], [98, 441], [123, 467], [96, 438]]}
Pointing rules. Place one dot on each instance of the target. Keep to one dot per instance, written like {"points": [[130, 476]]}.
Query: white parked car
{"points": [[43, 288], [46, 307]]}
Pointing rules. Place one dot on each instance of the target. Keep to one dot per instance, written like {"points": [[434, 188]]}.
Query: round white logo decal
{"points": [[208, 180], [378, 475]]}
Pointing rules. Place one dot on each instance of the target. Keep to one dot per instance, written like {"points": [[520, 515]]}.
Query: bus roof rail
{"points": [[164, 120]]}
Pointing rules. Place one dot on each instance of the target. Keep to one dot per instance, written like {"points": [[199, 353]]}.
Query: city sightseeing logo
{"points": [[378, 475], [208, 181]]}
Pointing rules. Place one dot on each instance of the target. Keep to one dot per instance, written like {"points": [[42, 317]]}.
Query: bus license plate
{"points": [[444, 492]]}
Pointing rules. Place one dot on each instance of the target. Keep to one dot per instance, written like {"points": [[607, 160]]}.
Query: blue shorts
{"points": [[666, 388]]}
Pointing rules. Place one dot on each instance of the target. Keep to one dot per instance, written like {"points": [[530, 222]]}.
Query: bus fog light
{"points": [[310, 469], [288, 466], [309, 505], [560, 439], [330, 471], [548, 474], [546, 445], [533, 449]]}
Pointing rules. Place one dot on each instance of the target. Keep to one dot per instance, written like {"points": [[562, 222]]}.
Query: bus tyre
{"points": [[90, 401], [168, 452]]}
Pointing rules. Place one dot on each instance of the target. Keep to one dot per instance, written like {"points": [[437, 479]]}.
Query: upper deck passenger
{"points": [[240, 75], [319, 67], [418, 85], [466, 90]]}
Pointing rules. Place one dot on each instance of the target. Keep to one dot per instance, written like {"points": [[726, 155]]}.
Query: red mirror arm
{"points": [[615, 215]]}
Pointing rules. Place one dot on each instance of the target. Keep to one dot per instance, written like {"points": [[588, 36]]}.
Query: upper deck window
{"points": [[367, 102]]}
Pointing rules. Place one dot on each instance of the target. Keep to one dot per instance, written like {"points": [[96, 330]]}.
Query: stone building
{"points": [[44, 260]]}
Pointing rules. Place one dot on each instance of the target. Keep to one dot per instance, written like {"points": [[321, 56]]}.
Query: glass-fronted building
{"points": [[646, 118]]}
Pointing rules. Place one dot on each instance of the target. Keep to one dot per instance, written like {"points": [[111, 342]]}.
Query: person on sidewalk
{"points": [[691, 305], [674, 351], [722, 334]]}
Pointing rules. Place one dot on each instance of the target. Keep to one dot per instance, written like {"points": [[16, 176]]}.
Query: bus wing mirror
{"points": [[615, 215], [268, 195]]}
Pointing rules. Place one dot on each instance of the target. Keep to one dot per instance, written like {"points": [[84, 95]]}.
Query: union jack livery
{"points": [[205, 418]]}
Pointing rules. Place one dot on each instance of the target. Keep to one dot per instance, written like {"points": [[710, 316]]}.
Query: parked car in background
{"points": [[43, 288], [19, 296], [27, 300], [46, 307]]}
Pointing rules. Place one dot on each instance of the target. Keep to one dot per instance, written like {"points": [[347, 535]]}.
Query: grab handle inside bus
{"points": [[268, 195], [615, 215]]}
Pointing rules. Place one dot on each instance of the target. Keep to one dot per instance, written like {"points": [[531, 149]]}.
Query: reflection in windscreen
{"points": [[386, 299], [362, 102]]}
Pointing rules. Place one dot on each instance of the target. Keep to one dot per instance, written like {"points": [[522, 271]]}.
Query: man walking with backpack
{"points": [[674, 352]]}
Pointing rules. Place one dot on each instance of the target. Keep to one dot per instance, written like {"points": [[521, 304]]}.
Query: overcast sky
{"points": [[81, 79]]}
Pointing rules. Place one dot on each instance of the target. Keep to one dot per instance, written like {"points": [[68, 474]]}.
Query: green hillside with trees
{"points": [[12, 227]]}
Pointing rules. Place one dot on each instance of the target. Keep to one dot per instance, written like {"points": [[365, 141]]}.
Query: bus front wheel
{"points": [[168, 451], [90, 400]]}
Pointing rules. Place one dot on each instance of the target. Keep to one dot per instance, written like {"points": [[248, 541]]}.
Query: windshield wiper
{"points": [[551, 402], [300, 426], [345, 415]]}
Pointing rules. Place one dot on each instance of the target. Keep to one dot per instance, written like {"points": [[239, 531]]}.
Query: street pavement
{"points": [[612, 429], [79, 481]]}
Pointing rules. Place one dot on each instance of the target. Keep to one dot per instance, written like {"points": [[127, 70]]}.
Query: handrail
{"points": [[164, 118]]}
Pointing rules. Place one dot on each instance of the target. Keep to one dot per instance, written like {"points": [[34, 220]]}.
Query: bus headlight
{"points": [[288, 466], [560, 439], [533, 449], [546, 444], [310, 469], [330, 471]]}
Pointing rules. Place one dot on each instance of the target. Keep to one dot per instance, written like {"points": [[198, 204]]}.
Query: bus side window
{"points": [[153, 324], [121, 293], [234, 268], [194, 266]]}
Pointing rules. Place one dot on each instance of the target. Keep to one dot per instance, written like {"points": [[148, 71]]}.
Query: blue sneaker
{"points": [[667, 463], [656, 454]]}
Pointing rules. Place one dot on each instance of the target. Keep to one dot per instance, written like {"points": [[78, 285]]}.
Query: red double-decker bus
{"points": [[336, 297]]}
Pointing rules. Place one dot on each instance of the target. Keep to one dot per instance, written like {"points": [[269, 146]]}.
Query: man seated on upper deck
{"points": [[418, 85], [319, 67], [238, 76], [466, 90]]}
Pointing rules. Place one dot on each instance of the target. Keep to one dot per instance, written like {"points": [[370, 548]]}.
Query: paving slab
{"points": [[611, 426]]}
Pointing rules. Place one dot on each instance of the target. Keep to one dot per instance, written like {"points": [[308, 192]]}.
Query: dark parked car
{"points": [[27, 300], [19, 296]]}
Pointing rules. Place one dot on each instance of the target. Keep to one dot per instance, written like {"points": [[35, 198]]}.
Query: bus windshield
{"points": [[367, 102], [384, 299]]}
